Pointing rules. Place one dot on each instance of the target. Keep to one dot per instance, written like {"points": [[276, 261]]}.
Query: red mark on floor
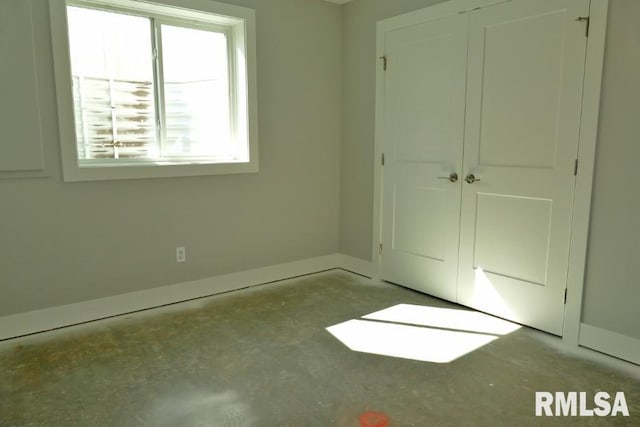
{"points": [[373, 419]]}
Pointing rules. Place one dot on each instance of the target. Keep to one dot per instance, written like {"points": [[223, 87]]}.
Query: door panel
{"points": [[411, 205], [501, 217], [526, 61], [423, 133], [521, 81], [423, 128]]}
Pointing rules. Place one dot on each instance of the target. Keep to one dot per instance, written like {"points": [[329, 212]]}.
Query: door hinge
{"points": [[565, 296], [575, 168], [384, 62], [380, 249], [382, 159], [587, 21]]}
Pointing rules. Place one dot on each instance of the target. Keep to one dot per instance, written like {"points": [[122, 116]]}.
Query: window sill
{"points": [[102, 172]]}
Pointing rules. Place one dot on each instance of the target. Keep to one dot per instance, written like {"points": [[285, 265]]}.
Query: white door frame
{"points": [[586, 148]]}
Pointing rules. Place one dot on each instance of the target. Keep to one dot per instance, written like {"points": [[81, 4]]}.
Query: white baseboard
{"points": [[72, 314], [612, 343], [355, 265]]}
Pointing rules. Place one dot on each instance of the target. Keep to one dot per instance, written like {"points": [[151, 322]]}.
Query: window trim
{"points": [[242, 68]]}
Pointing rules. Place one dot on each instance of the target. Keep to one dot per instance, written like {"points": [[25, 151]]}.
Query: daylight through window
{"points": [[157, 85]]}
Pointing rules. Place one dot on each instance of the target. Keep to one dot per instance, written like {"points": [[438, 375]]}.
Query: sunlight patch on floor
{"points": [[445, 318], [423, 333]]}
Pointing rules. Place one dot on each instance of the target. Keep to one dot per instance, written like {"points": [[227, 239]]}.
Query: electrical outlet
{"points": [[181, 254]]}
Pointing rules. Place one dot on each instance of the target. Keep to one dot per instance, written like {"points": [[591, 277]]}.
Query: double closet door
{"points": [[481, 118]]}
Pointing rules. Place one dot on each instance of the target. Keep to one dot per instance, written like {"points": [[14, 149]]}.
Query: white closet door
{"points": [[423, 134], [526, 64]]}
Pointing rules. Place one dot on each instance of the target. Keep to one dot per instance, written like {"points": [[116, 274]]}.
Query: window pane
{"points": [[112, 70], [196, 90]]}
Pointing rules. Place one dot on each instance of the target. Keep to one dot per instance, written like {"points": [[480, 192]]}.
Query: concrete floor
{"points": [[262, 357]]}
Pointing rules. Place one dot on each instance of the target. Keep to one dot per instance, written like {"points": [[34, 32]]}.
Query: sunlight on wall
{"points": [[428, 334]]}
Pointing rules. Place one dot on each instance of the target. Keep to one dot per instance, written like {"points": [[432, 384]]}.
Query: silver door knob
{"points": [[471, 178], [453, 177]]}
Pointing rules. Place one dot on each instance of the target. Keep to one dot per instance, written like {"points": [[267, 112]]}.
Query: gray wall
{"points": [[612, 289], [613, 267], [67, 242]]}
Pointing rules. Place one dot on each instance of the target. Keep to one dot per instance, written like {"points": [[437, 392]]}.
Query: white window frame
{"points": [[241, 23]]}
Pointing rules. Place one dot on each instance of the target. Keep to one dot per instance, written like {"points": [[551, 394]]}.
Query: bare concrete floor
{"points": [[263, 358]]}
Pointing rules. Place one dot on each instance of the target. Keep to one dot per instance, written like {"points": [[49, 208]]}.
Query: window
{"points": [[152, 90]]}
